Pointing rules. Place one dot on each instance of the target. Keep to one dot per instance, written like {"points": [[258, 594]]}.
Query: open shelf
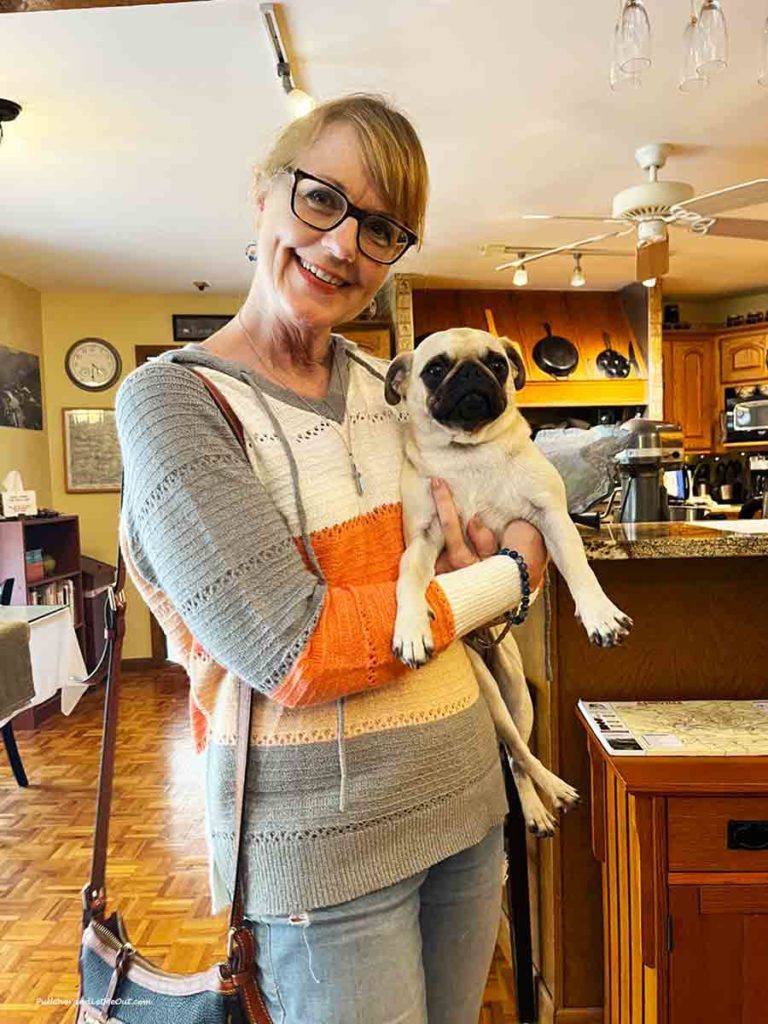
{"points": [[53, 579]]}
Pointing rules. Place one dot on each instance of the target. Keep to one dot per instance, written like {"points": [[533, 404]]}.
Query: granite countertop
{"points": [[669, 540]]}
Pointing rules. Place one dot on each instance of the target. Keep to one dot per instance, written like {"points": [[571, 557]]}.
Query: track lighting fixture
{"points": [[520, 277], [578, 280], [299, 102]]}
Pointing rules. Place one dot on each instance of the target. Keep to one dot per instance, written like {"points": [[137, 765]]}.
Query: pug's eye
{"points": [[434, 372], [498, 367]]}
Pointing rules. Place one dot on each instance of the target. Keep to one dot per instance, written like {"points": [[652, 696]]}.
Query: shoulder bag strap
{"points": [[240, 946]]}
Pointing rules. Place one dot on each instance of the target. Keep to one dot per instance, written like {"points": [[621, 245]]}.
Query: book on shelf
{"points": [[60, 592]]}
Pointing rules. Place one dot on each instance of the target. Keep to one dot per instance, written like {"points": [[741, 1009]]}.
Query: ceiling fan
{"points": [[647, 209]]}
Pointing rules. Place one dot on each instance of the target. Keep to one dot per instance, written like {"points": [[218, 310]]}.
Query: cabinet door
{"points": [[717, 964], [743, 359], [691, 391]]}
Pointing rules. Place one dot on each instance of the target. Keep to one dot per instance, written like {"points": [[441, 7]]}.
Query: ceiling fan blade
{"points": [[652, 260], [571, 247], [575, 216], [733, 227], [748, 193]]}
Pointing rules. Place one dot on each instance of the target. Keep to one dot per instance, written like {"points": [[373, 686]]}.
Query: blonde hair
{"points": [[392, 153]]}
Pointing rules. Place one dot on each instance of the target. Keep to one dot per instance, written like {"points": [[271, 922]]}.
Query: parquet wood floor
{"points": [[157, 861]]}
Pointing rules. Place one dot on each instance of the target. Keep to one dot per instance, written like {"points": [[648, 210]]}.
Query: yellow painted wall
{"points": [[20, 328], [125, 321]]}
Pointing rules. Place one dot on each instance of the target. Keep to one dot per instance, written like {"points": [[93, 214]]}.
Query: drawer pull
{"points": [[748, 835]]}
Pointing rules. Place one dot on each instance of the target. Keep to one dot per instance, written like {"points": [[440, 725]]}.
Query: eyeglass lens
{"points": [[322, 207]]}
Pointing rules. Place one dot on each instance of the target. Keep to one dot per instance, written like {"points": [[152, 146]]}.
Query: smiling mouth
{"points": [[320, 274]]}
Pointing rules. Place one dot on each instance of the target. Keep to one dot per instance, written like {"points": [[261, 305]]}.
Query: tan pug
{"points": [[464, 427]]}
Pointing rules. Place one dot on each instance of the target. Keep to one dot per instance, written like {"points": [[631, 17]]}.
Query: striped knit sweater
{"points": [[363, 772]]}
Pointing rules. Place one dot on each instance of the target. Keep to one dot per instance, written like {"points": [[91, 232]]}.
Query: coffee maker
{"points": [[655, 447], [758, 475]]}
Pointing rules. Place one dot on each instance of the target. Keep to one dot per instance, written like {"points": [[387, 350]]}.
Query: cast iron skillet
{"points": [[611, 362], [555, 355]]}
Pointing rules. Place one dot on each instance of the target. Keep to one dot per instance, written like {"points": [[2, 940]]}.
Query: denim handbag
{"points": [[117, 984]]}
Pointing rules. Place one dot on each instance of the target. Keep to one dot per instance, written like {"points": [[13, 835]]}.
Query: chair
{"points": [[9, 740]]}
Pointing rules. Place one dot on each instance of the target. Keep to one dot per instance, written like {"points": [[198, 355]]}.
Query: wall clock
{"points": [[93, 364]]}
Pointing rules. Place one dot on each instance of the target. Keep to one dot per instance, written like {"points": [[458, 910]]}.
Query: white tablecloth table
{"points": [[57, 662]]}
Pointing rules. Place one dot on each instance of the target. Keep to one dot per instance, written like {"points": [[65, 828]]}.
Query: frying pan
{"points": [[555, 355], [611, 362]]}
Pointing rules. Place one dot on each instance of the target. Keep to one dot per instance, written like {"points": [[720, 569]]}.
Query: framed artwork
{"points": [[92, 462], [197, 326], [373, 337], [21, 399]]}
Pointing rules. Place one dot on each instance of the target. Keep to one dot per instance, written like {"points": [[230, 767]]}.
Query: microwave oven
{"points": [[746, 414]]}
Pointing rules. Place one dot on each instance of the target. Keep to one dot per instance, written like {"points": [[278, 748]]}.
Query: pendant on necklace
{"points": [[357, 477]]}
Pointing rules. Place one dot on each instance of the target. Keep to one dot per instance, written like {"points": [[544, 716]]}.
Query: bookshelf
{"points": [[59, 537]]}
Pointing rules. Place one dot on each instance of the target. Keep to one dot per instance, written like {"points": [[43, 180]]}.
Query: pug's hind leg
{"points": [[412, 640], [562, 796]]}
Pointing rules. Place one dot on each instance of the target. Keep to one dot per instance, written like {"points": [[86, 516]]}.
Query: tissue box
{"points": [[15, 503]]}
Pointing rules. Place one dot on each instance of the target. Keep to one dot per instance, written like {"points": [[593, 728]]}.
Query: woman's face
{"points": [[285, 242]]}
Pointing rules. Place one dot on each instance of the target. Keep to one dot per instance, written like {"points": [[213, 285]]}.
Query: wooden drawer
{"points": [[698, 831]]}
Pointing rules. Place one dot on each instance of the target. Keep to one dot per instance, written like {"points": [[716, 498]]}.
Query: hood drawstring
{"points": [[341, 750]]}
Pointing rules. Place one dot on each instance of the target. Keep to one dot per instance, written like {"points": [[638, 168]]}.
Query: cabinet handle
{"points": [[748, 835]]}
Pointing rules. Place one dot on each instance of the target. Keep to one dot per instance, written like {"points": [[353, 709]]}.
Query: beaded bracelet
{"points": [[525, 585]]}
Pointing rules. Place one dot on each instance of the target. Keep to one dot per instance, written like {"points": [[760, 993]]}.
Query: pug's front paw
{"points": [[606, 625], [412, 643]]}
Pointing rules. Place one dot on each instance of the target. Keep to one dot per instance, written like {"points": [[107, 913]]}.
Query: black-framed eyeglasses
{"points": [[323, 206]]}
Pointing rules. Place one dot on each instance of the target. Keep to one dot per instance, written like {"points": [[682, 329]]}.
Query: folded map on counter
{"points": [[710, 728]]}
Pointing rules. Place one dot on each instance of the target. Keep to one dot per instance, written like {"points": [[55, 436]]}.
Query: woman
{"points": [[373, 826]]}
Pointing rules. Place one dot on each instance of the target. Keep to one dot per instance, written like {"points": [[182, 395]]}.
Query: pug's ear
{"points": [[518, 366], [396, 381]]}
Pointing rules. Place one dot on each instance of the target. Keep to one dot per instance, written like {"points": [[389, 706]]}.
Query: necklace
{"points": [[347, 439]]}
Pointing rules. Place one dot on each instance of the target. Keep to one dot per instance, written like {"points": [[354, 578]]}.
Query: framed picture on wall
{"points": [[21, 401], [197, 326], [92, 462], [372, 336]]}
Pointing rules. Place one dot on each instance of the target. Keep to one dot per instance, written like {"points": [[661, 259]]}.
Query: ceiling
{"points": [[128, 168]]}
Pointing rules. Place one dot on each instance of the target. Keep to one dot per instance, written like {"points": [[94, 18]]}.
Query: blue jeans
{"points": [[417, 952]]}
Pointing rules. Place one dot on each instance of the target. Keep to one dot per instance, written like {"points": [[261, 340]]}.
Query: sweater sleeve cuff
{"points": [[481, 592]]}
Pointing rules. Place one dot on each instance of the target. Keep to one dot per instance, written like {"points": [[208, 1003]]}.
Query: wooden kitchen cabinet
{"points": [[690, 395], [685, 917], [743, 359]]}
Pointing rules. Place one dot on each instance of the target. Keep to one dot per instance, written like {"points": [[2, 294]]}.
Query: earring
{"points": [[251, 251]]}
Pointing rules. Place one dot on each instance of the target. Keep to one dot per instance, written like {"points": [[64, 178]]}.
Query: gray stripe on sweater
{"points": [[302, 852]]}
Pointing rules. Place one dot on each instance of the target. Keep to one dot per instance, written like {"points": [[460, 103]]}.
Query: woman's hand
{"points": [[460, 552]]}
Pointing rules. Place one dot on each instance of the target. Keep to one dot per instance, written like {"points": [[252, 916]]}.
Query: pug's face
{"points": [[463, 379]]}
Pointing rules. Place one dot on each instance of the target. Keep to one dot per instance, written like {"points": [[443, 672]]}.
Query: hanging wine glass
{"points": [[691, 80], [711, 39], [763, 79], [635, 38], [621, 80]]}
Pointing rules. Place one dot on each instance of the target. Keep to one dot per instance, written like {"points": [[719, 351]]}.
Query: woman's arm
{"points": [[202, 529]]}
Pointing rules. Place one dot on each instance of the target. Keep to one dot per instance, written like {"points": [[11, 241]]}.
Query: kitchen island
{"points": [[699, 600]]}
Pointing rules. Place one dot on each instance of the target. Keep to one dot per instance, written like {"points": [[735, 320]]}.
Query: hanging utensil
{"points": [[610, 362], [555, 355]]}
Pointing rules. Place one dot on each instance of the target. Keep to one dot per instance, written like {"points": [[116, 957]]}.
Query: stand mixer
{"points": [[655, 447]]}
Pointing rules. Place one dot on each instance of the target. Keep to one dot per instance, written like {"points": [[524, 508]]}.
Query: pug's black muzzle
{"points": [[469, 398]]}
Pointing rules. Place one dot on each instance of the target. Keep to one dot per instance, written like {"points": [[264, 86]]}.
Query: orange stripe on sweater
{"points": [[350, 648]]}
